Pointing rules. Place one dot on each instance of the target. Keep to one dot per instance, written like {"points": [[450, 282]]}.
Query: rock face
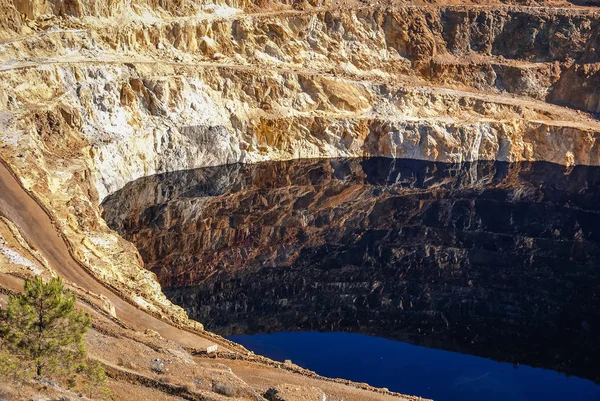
{"points": [[96, 94], [493, 259], [578, 86]]}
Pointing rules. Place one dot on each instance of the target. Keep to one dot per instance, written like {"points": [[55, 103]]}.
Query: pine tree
{"points": [[42, 327]]}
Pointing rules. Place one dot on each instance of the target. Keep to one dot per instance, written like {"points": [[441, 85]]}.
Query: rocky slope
{"points": [[96, 94]]}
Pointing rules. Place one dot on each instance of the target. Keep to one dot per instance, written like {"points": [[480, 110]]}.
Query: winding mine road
{"points": [[35, 225]]}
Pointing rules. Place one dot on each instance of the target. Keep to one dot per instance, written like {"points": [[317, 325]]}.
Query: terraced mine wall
{"points": [[96, 94]]}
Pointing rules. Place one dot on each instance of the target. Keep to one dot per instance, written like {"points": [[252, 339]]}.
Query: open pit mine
{"points": [[235, 189]]}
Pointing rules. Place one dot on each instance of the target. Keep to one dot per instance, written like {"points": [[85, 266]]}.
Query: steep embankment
{"points": [[35, 225]]}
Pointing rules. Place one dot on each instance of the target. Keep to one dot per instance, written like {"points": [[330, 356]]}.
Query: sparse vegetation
{"points": [[224, 389], [94, 382], [41, 336], [42, 328]]}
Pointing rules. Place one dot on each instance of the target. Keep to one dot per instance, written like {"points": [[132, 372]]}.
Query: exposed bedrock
{"points": [[498, 260], [579, 86], [94, 95]]}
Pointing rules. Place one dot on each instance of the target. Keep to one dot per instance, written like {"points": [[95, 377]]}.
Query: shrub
{"points": [[95, 380], [224, 389]]}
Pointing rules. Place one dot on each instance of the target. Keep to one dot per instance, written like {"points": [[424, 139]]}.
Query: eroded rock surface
{"points": [[96, 94]]}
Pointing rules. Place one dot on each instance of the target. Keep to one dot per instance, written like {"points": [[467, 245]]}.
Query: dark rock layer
{"points": [[493, 259]]}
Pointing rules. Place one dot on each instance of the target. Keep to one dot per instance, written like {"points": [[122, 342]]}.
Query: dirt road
{"points": [[37, 227]]}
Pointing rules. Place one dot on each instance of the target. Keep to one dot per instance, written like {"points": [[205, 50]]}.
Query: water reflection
{"points": [[491, 259]]}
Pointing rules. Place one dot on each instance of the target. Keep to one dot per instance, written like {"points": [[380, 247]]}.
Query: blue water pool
{"points": [[416, 370]]}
